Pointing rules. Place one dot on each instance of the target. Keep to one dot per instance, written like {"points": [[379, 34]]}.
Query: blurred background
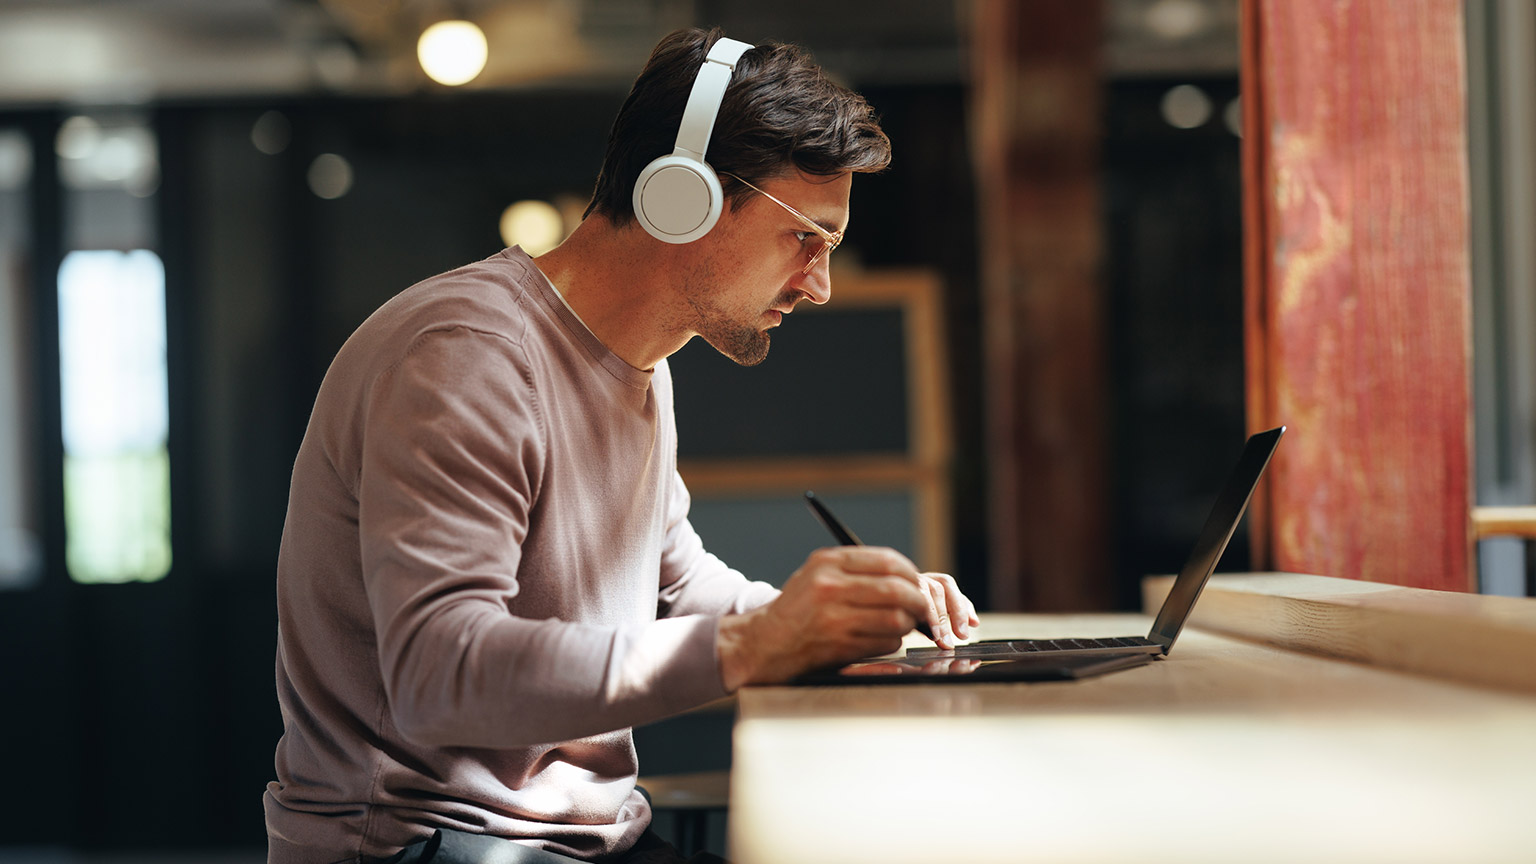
{"points": [[201, 199]]}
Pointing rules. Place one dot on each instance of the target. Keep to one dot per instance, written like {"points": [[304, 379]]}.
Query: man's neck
{"points": [[617, 284]]}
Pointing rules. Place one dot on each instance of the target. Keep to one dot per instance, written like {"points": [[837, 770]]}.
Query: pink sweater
{"points": [[487, 577]]}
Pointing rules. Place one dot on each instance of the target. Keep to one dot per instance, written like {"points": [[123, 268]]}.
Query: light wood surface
{"points": [[1504, 522], [1228, 750], [1447, 634]]}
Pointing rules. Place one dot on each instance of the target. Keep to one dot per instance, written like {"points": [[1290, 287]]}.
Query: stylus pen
{"points": [[839, 531], [845, 537]]}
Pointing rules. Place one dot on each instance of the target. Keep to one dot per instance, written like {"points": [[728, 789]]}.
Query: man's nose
{"points": [[816, 286]]}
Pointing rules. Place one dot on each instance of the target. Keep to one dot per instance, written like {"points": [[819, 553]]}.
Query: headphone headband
{"points": [[705, 98]]}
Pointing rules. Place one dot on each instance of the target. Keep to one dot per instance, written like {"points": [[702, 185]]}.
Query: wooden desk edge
{"points": [[1469, 638], [1504, 522]]}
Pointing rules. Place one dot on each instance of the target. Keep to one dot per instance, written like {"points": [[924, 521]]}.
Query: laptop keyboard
{"points": [[1014, 646], [1078, 644]]}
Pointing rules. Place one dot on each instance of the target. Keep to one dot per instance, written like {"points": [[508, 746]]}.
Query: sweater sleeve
{"points": [[453, 451], [693, 580]]}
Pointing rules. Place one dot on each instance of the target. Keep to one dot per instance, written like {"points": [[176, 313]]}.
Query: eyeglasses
{"points": [[826, 240]]}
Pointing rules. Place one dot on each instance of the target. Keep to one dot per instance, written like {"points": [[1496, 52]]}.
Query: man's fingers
{"points": [[962, 612], [877, 622], [874, 561], [888, 592], [948, 617], [861, 597], [939, 624]]}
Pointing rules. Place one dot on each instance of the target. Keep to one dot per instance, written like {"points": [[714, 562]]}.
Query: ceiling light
{"points": [[271, 133], [78, 137], [119, 153], [336, 64], [452, 52], [534, 225], [1186, 106], [330, 176], [117, 158], [1177, 19]]}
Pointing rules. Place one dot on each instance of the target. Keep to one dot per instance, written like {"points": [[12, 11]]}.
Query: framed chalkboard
{"points": [[834, 382], [850, 403]]}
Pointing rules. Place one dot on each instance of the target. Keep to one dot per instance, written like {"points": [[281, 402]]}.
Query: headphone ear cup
{"points": [[677, 199]]}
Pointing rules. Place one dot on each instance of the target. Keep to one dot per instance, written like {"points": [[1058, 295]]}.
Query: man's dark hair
{"points": [[779, 113]]}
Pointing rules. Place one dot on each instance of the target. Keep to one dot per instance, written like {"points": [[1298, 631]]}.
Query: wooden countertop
{"points": [[1228, 750]]}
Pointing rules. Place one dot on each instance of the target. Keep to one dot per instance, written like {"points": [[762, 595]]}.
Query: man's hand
{"points": [[845, 603], [952, 617]]}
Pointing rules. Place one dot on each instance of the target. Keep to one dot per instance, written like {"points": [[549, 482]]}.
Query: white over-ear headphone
{"points": [[677, 197]]}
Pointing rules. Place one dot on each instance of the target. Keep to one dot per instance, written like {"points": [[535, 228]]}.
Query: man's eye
{"points": [[802, 236]]}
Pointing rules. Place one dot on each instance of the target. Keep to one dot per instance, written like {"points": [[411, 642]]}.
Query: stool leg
{"points": [[691, 827]]}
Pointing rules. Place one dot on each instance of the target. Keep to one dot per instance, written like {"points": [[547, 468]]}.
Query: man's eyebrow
{"points": [[826, 225]]}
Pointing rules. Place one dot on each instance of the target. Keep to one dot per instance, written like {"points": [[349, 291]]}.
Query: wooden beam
{"points": [[1037, 112]]}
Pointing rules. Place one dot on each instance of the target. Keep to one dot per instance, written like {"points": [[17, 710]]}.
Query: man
{"points": [[487, 574]]}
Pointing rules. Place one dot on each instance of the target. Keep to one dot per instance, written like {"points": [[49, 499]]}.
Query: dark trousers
{"points": [[447, 846]]}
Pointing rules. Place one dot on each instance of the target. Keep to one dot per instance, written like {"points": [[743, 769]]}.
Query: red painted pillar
{"points": [[1358, 286]]}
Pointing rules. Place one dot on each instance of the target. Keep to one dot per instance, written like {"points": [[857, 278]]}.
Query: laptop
{"points": [[1063, 659]]}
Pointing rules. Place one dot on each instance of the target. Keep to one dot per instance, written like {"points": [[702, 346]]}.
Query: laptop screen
{"points": [[1215, 536]]}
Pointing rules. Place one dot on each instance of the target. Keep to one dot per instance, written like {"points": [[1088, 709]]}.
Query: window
{"points": [[112, 372]]}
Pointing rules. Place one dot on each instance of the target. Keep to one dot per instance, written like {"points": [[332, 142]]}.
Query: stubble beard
{"points": [[744, 344]]}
